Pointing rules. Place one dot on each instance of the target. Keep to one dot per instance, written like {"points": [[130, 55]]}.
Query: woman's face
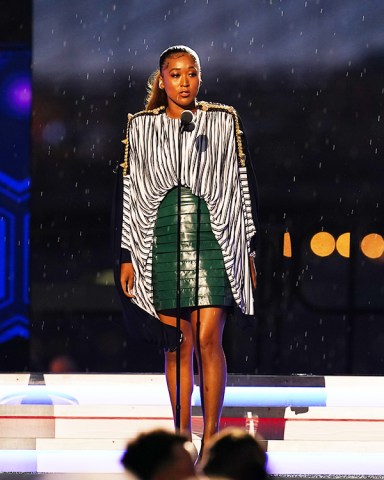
{"points": [[180, 77]]}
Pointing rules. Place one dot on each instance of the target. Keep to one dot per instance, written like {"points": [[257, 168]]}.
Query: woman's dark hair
{"points": [[156, 97]]}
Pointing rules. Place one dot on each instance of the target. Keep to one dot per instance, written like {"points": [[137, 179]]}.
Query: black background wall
{"points": [[307, 80]]}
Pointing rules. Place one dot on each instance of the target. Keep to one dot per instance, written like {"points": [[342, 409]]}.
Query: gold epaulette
{"points": [[131, 116], [206, 106]]}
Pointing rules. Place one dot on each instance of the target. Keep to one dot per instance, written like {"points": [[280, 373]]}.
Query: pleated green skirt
{"points": [[203, 279]]}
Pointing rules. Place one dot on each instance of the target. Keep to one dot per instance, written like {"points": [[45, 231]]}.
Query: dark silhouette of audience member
{"points": [[236, 455], [160, 455]]}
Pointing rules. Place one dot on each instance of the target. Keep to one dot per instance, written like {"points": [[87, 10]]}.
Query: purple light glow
{"points": [[19, 96]]}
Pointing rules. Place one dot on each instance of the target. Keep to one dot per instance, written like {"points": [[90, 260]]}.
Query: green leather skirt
{"points": [[203, 279]]}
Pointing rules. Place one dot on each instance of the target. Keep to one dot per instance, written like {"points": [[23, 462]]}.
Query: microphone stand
{"points": [[186, 125], [178, 293]]}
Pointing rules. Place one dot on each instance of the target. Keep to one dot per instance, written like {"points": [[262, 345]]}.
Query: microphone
{"points": [[186, 124]]}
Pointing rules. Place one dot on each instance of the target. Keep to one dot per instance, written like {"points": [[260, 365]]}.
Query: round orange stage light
{"points": [[343, 245], [372, 245], [287, 245], [323, 244]]}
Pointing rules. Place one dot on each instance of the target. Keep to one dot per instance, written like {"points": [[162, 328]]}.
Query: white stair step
{"points": [[14, 378], [79, 379], [17, 410], [96, 428], [357, 382], [336, 413], [93, 444], [115, 411], [18, 443], [105, 411], [332, 464], [334, 430], [148, 411], [28, 427], [323, 446], [279, 463], [62, 461], [355, 391]]}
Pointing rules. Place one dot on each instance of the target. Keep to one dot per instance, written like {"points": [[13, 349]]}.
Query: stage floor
{"points": [[313, 426]]}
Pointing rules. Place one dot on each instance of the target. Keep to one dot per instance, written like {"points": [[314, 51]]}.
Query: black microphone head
{"points": [[189, 127], [186, 117]]}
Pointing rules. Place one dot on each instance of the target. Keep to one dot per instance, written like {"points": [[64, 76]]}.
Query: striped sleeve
{"points": [[249, 188], [126, 229]]}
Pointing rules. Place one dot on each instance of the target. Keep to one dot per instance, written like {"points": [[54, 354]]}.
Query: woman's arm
{"points": [[127, 274]]}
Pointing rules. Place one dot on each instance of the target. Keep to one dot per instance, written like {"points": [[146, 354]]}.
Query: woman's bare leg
{"points": [[207, 326], [186, 374]]}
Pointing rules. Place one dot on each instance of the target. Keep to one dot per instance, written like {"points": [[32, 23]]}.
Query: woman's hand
{"points": [[127, 279], [253, 271]]}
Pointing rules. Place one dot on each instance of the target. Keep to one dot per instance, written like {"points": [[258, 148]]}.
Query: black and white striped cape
{"points": [[214, 165]]}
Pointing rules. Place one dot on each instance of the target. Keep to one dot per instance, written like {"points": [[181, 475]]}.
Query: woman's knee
{"points": [[208, 330], [208, 343]]}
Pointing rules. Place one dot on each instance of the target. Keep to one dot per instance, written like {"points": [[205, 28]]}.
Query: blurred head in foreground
{"points": [[159, 455], [235, 454]]}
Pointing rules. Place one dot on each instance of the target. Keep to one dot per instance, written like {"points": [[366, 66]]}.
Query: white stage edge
{"points": [[81, 423]]}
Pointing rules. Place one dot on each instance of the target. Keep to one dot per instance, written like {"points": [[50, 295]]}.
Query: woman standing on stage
{"points": [[217, 233]]}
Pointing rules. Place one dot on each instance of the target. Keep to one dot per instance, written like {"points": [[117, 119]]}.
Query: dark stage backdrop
{"points": [[307, 80], [15, 122]]}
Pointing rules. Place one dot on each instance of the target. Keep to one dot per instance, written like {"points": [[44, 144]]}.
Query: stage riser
{"points": [[269, 429], [82, 423], [301, 464], [272, 446]]}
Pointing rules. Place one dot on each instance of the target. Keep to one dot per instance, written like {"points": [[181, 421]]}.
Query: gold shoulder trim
{"points": [[154, 111], [124, 165], [206, 106], [131, 116]]}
